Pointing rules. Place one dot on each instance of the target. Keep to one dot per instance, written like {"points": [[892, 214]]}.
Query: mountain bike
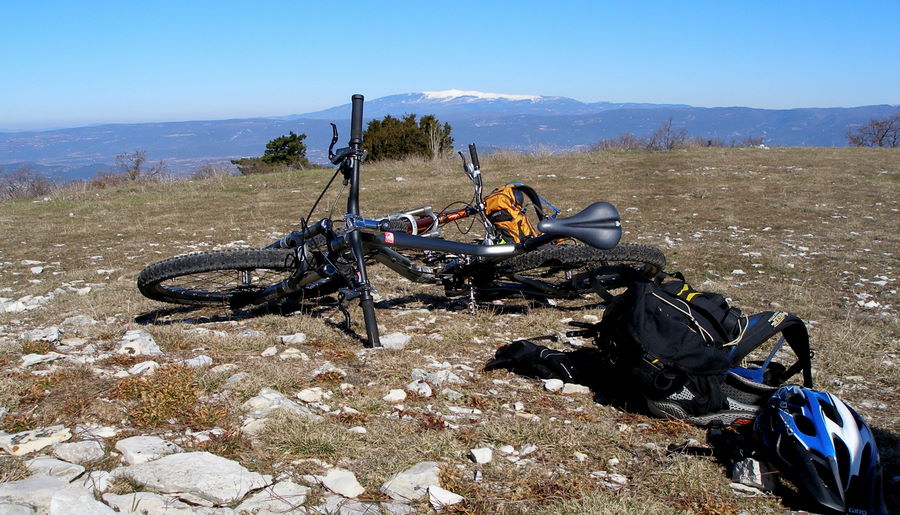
{"points": [[326, 258]]}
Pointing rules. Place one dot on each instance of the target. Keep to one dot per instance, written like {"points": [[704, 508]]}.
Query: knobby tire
{"points": [[213, 278], [556, 264]]}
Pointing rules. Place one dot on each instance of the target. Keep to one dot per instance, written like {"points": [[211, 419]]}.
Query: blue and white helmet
{"points": [[824, 447]]}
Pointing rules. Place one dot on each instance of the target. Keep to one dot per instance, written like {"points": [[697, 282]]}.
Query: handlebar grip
{"points": [[474, 154], [356, 120], [396, 225]]}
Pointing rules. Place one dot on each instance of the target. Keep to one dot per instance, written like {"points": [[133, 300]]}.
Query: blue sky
{"points": [[69, 63]]}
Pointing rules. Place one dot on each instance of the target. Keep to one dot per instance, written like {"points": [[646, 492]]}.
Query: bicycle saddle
{"points": [[598, 225]]}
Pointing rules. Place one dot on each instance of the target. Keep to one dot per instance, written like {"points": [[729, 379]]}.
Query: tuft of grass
{"points": [[297, 437], [173, 392]]}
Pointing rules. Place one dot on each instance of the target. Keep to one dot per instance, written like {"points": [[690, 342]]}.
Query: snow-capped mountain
{"points": [[453, 103], [491, 120]]}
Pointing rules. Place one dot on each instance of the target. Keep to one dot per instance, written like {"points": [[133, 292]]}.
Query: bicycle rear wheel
{"points": [[568, 270], [214, 278]]}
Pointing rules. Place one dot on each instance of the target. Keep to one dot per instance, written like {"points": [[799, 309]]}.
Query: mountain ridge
{"points": [[493, 121]]}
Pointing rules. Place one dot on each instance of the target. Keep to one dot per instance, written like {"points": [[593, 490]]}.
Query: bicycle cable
{"points": [[322, 194], [456, 222]]}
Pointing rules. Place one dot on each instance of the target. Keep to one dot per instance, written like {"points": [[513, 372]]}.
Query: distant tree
{"points": [[437, 136], [287, 150], [283, 152], [24, 183], [876, 133], [666, 138], [393, 138], [132, 166]]}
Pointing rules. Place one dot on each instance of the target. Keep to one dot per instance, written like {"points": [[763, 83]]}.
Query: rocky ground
{"points": [[113, 403]]}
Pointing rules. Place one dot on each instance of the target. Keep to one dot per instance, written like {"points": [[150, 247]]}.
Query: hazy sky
{"points": [[66, 63]]}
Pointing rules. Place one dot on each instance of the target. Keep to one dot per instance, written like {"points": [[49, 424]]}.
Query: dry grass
{"points": [[814, 231]]}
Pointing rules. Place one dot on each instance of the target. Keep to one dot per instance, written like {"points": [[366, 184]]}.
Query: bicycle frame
{"points": [[412, 230]]}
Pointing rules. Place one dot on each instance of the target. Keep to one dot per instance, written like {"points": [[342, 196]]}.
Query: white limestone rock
{"points": [[337, 505], [138, 342], [141, 449], [420, 387], [412, 484], [395, 341], [36, 491], [482, 455], [282, 497], [199, 476], [235, 379], [293, 353], [77, 501], [394, 396], [441, 498], [342, 482], [148, 503], [575, 389], [614, 482], [143, 368], [79, 321], [20, 444], [53, 467], [15, 509], [97, 481], [553, 385], [200, 361], [314, 394], [79, 452], [94, 431], [47, 334], [751, 472], [30, 360], [397, 508], [328, 368], [442, 377], [293, 339]]}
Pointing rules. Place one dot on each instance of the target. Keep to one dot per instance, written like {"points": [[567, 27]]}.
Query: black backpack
{"points": [[661, 335]]}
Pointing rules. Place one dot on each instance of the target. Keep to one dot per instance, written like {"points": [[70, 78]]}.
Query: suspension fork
{"points": [[366, 300]]}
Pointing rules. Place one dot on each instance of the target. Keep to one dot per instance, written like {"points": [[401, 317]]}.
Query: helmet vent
{"points": [[805, 425], [829, 411], [826, 478], [842, 455]]}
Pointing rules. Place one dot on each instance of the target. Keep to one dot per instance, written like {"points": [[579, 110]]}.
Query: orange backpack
{"points": [[505, 208]]}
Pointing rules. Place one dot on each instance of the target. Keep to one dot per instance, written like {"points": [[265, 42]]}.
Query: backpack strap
{"points": [[727, 320], [536, 199], [762, 326]]}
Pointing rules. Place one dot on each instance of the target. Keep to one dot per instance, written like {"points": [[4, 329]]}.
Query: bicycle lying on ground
{"points": [[322, 259]]}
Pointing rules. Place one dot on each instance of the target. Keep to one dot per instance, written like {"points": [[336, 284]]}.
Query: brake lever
{"points": [[334, 139]]}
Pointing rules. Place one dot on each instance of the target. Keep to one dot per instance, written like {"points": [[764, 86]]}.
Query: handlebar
{"points": [[474, 154], [356, 120]]}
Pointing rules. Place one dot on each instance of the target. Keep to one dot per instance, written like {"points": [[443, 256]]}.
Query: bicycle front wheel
{"points": [[564, 270], [214, 278]]}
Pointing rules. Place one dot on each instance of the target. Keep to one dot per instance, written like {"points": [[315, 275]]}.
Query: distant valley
{"points": [[493, 121]]}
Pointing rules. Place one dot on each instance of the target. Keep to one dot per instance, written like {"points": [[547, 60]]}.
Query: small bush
{"points": [[209, 171], [24, 183]]}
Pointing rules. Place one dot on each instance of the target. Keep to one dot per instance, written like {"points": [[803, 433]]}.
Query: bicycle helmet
{"points": [[824, 447]]}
